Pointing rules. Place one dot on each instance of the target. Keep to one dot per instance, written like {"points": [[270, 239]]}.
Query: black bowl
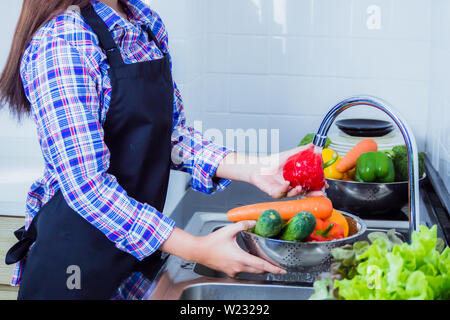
{"points": [[365, 127]]}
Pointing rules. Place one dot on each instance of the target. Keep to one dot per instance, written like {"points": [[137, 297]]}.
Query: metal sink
{"points": [[179, 279], [291, 278], [218, 291]]}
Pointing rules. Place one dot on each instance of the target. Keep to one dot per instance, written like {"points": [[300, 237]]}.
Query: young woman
{"points": [[98, 84]]}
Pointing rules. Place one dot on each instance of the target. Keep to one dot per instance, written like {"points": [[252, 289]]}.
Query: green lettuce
{"points": [[389, 269]]}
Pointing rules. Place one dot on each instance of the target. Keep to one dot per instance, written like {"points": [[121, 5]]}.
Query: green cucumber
{"points": [[269, 224], [300, 227]]}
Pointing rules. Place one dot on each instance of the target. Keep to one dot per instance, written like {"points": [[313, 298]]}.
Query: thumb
{"points": [[234, 229]]}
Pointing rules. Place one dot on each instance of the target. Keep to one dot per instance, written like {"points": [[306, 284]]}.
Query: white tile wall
{"points": [[20, 159], [249, 94], [289, 59], [438, 134], [217, 16], [249, 17], [291, 17], [248, 54], [332, 18]]}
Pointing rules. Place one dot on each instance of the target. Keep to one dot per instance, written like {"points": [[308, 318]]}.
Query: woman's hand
{"points": [[218, 250], [269, 176], [265, 173]]}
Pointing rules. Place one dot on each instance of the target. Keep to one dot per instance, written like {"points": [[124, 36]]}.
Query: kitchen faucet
{"points": [[413, 155]]}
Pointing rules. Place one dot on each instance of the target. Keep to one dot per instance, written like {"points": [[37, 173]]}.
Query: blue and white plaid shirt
{"points": [[65, 77]]}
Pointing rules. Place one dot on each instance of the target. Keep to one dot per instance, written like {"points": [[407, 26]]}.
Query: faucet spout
{"points": [[413, 154]]}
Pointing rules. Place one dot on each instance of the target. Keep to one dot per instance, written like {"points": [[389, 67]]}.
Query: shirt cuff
{"points": [[205, 166], [148, 232]]}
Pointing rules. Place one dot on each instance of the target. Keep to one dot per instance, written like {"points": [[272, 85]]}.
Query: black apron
{"points": [[137, 133]]}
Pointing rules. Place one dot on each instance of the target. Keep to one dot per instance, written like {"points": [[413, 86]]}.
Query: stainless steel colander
{"points": [[303, 257]]}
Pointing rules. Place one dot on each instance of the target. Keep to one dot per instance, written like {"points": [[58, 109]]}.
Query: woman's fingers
{"points": [[261, 264], [274, 187], [234, 259], [280, 191], [295, 192], [237, 227], [316, 194], [249, 269]]}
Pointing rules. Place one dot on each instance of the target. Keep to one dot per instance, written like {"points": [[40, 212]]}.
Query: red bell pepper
{"points": [[326, 231], [305, 169]]}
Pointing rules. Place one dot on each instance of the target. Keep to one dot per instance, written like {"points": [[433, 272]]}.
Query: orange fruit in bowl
{"points": [[339, 218]]}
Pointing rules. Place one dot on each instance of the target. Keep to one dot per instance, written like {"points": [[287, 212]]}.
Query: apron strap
{"points": [[26, 239], [106, 40], [104, 35], [155, 40]]}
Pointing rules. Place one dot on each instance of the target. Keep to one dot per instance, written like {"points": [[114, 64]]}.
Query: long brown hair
{"points": [[35, 13]]}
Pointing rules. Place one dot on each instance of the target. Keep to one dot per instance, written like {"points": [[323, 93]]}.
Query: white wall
{"points": [[283, 64], [438, 139], [20, 159]]}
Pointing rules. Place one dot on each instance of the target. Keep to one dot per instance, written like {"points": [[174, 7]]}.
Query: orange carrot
{"points": [[339, 218], [349, 161], [320, 207]]}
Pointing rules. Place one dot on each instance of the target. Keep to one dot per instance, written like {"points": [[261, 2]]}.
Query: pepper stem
{"points": [[389, 153], [331, 162], [325, 232]]}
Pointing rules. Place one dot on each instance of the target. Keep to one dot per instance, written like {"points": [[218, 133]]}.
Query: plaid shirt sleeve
{"points": [[64, 98]]}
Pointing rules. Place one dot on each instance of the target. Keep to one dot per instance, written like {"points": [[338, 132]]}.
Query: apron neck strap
{"points": [[104, 35], [155, 40]]}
